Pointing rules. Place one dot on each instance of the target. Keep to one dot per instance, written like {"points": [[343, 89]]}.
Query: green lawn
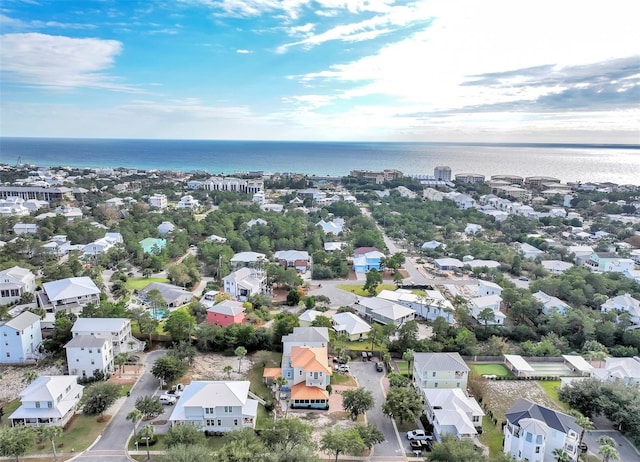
{"points": [[82, 431], [341, 379], [365, 345], [403, 367], [491, 436], [551, 387], [141, 283], [255, 374], [492, 369], [9, 409], [358, 288]]}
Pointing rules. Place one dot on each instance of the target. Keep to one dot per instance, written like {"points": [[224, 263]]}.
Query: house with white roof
{"points": [[556, 266], [173, 295], [550, 303], [158, 201], [472, 229], [247, 259], [188, 202], [214, 238], [71, 294], [633, 274], [492, 302], [528, 251], [306, 318], [440, 370], [334, 246], [87, 354], [582, 253], [448, 263], [353, 326], [624, 370], [488, 288], [452, 412], [297, 259], [609, 261], [20, 338], [216, 406], [48, 401], [334, 226], [624, 303], [14, 283], [365, 261], [256, 221], [429, 306], [244, 282], [384, 311], [116, 330], [432, 245], [20, 229], [102, 245], [533, 432], [166, 227], [209, 298]]}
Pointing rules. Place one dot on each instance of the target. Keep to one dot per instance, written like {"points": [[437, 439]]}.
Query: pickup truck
{"points": [[168, 399], [418, 435]]}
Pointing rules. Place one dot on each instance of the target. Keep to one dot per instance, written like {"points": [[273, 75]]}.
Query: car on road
{"points": [[168, 399], [379, 367], [418, 435]]}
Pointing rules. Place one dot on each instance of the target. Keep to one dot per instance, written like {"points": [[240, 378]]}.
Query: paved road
{"points": [[370, 379], [110, 446], [626, 451]]}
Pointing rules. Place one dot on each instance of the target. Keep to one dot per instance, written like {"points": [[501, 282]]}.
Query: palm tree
{"points": [[227, 369], [608, 449], [29, 376], [146, 433], [408, 356], [51, 432], [134, 416], [560, 455], [120, 361], [240, 352], [584, 422], [281, 382]]}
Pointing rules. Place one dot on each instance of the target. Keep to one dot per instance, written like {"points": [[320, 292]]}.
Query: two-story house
{"points": [[71, 294], [609, 261], [48, 400], [382, 311], [492, 302], [624, 303], [87, 354], [428, 306], [226, 312], [315, 337], [216, 406], [308, 373], [14, 283], [533, 432], [440, 370], [622, 370], [20, 338], [452, 412], [366, 259], [551, 304], [116, 330], [247, 259], [298, 259], [354, 327], [244, 282]]}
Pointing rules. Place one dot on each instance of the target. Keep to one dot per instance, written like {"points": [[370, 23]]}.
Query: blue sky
{"points": [[379, 70]]}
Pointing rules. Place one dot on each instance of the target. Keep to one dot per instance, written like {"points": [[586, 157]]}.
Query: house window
{"points": [[300, 372], [315, 375], [49, 404], [435, 385], [228, 409], [8, 354], [208, 410], [37, 404], [235, 422], [219, 423], [90, 350], [210, 422], [433, 374], [537, 449]]}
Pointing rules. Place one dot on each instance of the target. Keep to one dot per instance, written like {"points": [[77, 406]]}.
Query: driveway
{"points": [[370, 379], [111, 444]]}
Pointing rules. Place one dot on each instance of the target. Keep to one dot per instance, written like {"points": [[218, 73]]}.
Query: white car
{"points": [[342, 368], [168, 399], [418, 435]]}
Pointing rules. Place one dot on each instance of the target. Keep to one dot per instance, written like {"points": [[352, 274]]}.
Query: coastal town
{"points": [[379, 316]]}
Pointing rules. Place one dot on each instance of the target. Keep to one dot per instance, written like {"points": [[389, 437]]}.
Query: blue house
{"points": [[366, 258]]}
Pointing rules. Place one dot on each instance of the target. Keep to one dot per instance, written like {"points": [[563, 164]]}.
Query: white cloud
{"points": [[242, 51], [60, 62]]}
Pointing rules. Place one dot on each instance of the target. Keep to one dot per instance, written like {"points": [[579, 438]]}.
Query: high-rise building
{"points": [[442, 172]]}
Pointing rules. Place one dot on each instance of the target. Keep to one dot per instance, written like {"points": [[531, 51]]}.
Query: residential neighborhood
{"points": [[418, 314]]}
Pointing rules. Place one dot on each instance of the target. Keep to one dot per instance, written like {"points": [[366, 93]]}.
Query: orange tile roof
{"points": [[310, 359], [272, 372], [301, 391]]}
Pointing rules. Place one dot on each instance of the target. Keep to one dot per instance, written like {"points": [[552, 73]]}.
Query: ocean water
{"points": [[617, 164]]}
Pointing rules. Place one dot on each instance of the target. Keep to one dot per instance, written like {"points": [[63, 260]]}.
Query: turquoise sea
{"points": [[600, 163]]}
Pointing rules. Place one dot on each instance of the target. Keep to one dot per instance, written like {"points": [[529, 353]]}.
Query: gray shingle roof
{"points": [[439, 362], [525, 409]]}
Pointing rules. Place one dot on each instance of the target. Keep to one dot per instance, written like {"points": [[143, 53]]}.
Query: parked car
{"points": [[418, 435], [168, 399], [342, 368], [420, 445], [379, 367]]}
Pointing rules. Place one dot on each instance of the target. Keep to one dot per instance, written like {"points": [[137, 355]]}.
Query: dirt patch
{"points": [[211, 366], [128, 376], [12, 379], [499, 395]]}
